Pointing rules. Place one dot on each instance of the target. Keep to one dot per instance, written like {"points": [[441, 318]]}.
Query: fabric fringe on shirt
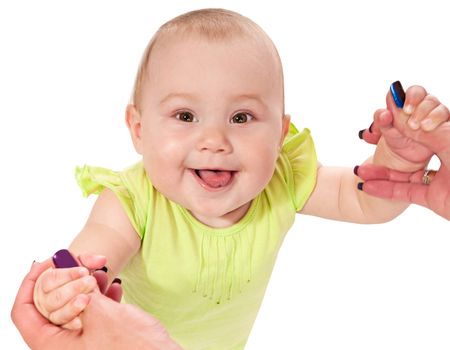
{"points": [[218, 277]]}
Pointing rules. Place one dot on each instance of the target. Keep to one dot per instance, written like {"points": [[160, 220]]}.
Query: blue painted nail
{"points": [[360, 186], [63, 259], [398, 94]]}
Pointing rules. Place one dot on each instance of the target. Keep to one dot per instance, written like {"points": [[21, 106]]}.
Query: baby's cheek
{"points": [[263, 166]]}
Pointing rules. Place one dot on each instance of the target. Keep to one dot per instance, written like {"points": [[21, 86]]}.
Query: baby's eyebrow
{"points": [[256, 97], [235, 98], [250, 96], [179, 95]]}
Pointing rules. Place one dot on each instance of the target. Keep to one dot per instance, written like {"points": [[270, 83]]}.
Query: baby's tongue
{"points": [[215, 179]]}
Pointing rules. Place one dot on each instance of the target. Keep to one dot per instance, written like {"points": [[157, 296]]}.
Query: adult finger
{"points": [[92, 261], [24, 314], [115, 292], [382, 119], [375, 172], [102, 280], [402, 191]]}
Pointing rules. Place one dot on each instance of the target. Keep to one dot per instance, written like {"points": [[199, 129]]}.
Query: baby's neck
{"points": [[226, 220]]}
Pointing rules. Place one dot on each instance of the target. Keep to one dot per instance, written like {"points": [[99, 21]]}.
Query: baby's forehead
{"points": [[239, 54], [234, 35], [183, 44], [250, 39]]}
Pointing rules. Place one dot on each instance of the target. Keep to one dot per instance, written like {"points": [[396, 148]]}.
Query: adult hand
{"points": [[59, 295], [411, 187], [425, 113], [107, 324], [110, 325]]}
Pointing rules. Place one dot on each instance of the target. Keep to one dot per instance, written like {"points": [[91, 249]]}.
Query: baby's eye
{"points": [[240, 118], [187, 117]]}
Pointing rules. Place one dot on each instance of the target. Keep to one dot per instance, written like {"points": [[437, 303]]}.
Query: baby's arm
{"points": [[336, 194], [61, 294]]}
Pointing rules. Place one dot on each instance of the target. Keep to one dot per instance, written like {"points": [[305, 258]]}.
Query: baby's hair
{"points": [[212, 24]]}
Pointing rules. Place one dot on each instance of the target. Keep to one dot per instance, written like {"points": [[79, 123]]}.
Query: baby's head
{"points": [[207, 113]]}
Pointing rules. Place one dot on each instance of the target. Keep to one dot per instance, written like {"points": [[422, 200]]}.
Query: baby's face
{"points": [[211, 124]]}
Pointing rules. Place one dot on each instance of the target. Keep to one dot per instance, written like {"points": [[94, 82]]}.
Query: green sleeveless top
{"points": [[206, 284]]}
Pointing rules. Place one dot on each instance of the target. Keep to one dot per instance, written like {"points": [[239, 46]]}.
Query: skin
{"points": [[216, 99], [423, 122], [233, 87], [60, 310], [206, 105], [394, 150], [104, 320]]}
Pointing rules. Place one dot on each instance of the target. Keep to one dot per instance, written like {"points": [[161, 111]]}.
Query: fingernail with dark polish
{"points": [[360, 133], [398, 94], [370, 127], [64, 259], [355, 170], [104, 268], [117, 280], [360, 186]]}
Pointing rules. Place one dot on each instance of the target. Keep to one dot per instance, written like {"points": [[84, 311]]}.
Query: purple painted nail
{"points": [[63, 259], [360, 186], [355, 170], [117, 280]]}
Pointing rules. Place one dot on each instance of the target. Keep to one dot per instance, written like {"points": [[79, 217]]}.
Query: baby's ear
{"points": [[133, 120]]}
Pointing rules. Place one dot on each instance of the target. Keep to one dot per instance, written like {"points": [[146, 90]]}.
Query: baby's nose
{"points": [[215, 140]]}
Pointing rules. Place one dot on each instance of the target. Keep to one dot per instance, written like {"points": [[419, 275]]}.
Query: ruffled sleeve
{"points": [[131, 187], [301, 165]]}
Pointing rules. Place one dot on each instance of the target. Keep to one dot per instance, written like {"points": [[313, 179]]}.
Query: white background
{"points": [[66, 73]]}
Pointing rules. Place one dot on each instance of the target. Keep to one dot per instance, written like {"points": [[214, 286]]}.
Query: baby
{"points": [[195, 227]]}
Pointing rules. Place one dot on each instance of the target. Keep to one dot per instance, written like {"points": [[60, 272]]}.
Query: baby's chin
{"points": [[219, 217]]}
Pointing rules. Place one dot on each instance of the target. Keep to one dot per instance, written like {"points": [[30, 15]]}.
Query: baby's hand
{"points": [[422, 111], [62, 294]]}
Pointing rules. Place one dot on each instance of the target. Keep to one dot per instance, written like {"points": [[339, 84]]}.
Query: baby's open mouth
{"points": [[215, 178]]}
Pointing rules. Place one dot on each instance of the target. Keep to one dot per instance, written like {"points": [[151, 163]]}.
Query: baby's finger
{"points": [[73, 325], [414, 95], [59, 297], [55, 278], [436, 117], [422, 110], [68, 313]]}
